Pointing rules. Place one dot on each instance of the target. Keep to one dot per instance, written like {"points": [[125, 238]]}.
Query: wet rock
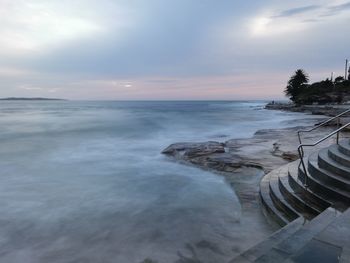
{"points": [[328, 110], [224, 162], [267, 150], [281, 106], [204, 244], [147, 260], [210, 155], [290, 156], [335, 123], [193, 150]]}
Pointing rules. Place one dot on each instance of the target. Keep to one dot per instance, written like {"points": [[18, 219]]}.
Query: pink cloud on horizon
{"points": [[265, 86]]}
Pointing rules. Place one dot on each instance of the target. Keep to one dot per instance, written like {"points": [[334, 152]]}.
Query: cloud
{"points": [[53, 90], [266, 26], [29, 87], [214, 87], [28, 26], [8, 72], [160, 39], [296, 20], [297, 11], [341, 7], [336, 9], [311, 20], [169, 45]]}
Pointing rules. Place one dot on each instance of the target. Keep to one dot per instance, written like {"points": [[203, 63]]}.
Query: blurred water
{"points": [[85, 181]]}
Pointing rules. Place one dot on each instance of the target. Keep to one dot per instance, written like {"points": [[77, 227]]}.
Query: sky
{"points": [[168, 49]]}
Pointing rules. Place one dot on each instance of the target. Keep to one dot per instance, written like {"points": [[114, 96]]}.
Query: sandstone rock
{"points": [[290, 156], [193, 150], [266, 150]]}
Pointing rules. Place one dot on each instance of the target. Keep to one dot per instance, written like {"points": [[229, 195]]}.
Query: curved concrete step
{"points": [[300, 204], [344, 147], [306, 194], [326, 176], [278, 199], [335, 154], [268, 206], [294, 243], [327, 163], [336, 196], [261, 248]]}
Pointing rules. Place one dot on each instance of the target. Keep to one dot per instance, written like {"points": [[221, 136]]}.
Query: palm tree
{"points": [[296, 84]]}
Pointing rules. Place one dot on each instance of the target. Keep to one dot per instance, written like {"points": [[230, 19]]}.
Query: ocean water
{"points": [[86, 181]]}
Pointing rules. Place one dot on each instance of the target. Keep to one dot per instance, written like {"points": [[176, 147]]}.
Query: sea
{"points": [[85, 181]]}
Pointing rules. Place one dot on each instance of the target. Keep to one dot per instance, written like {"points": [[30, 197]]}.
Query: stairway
{"points": [[285, 197], [326, 238], [312, 207]]}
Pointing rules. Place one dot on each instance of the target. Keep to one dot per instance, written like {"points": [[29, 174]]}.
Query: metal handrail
{"points": [[301, 148], [322, 124]]}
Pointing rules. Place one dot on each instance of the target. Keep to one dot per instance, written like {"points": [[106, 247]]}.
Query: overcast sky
{"points": [[168, 49]]}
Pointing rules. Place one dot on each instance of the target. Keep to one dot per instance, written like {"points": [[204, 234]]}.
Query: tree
{"points": [[339, 79], [296, 85]]}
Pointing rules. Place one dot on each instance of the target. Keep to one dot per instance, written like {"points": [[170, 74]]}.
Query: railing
{"points": [[301, 146], [323, 123]]}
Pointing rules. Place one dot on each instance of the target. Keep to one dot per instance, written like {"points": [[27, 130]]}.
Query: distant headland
{"points": [[328, 91], [19, 98]]}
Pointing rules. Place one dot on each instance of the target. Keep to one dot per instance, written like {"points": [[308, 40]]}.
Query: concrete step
{"points": [[338, 156], [306, 194], [269, 208], [334, 195], [325, 175], [344, 147], [294, 243], [299, 203], [327, 163], [261, 248], [332, 244], [277, 198]]}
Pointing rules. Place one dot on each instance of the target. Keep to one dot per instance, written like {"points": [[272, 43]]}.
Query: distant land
{"points": [[18, 98]]}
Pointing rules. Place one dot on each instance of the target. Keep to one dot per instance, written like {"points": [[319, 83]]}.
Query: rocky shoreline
{"points": [[327, 110], [243, 163], [266, 150]]}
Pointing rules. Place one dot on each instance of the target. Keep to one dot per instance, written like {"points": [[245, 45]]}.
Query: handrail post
{"points": [[338, 122], [301, 156], [338, 125], [338, 137], [299, 137]]}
